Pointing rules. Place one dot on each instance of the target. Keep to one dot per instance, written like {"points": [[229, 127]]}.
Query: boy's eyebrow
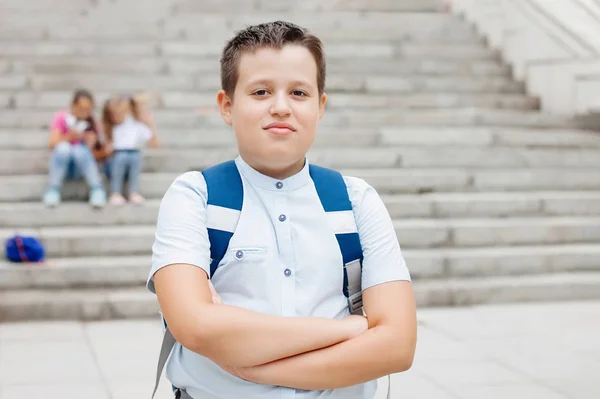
{"points": [[268, 82]]}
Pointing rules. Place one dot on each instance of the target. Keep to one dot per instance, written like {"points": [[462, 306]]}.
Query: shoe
{"points": [[52, 198], [97, 198], [136, 199], [116, 199]]}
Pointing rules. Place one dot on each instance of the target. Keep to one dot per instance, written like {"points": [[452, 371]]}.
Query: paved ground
{"points": [[528, 351]]}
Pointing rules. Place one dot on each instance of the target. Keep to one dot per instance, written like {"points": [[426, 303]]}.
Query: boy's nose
{"points": [[280, 106]]}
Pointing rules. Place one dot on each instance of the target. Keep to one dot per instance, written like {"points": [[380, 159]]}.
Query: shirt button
{"points": [[279, 185], [287, 272], [282, 218], [239, 254]]}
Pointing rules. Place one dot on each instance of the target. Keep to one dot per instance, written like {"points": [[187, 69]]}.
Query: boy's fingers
{"points": [[215, 297], [212, 288]]}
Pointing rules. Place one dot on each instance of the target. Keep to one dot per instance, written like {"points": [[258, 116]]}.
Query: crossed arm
{"points": [[304, 353]]}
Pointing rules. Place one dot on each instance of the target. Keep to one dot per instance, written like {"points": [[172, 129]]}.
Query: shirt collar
{"points": [[268, 183]]}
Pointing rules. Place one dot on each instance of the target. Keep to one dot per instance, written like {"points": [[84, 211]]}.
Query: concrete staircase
{"points": [[493, 201]]}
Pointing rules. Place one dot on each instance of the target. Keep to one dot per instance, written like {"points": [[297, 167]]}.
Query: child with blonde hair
{"points": [[128, 127]]}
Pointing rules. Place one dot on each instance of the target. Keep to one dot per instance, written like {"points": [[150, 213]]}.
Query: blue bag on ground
{"points": [[24, 249]]}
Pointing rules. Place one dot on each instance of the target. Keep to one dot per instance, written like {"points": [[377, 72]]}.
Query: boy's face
{"points": [[276, 107]]}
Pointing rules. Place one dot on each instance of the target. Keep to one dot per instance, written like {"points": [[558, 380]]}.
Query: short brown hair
{"points": [[82, 93], [271, 35]]}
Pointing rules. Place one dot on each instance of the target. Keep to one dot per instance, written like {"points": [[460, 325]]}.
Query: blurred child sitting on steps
{"points": [[128, 126], [74, 140]]}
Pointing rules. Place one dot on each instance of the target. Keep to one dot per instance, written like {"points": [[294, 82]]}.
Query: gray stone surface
{"points": [[131, 270], [493, 232], [493, 200], [342, 119], [423, 138], [401, 206], [13, 83], [62, 48], [386, 181], [415, 233], [164, 66], [5, 100], [532, 351], [338, 97], [17, 162], [84, 241], [60, 303], [76, 273]]}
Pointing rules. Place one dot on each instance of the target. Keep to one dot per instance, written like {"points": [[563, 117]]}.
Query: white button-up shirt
{"points": [[282, 260]]}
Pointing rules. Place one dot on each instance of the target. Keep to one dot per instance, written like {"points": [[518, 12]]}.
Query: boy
{"points": [[279, 326]]}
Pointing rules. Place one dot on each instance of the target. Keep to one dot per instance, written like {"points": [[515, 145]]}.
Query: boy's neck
{"points": [[278, 173]]}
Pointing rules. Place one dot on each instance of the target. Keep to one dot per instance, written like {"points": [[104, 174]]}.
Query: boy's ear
{"points": [[224, 103], [322, 105]]}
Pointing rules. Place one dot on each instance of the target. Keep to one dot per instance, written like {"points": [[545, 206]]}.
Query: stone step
{"points": [[61, 273], [43, 13], [487, 205], [437, 100], [406, 206], [53, 100], [120, 303], [186, 7], [406, 136], [329, 25], [340, 118], [474, 291], [177, 66], [500, 136], [198, 49], [427, 264], [387, 181], [434, 233], [6, 100], [186, 85], [213, 27], [26, 162], [78, 241], [317, 6]]}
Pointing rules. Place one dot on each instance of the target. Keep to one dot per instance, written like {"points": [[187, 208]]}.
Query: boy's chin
{"points": [[282, 159]]}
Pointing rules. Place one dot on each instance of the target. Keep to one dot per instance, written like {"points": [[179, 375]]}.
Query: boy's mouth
{"points": [[279, 128]]}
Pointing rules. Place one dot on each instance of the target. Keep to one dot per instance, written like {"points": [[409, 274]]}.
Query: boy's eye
{"points": [[299, 93], [261, 92]]}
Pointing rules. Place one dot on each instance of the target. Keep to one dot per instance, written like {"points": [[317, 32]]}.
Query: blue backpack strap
{"points": [[333, 193], [225, 199]]}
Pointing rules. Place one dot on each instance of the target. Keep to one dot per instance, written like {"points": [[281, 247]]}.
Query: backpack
{"points": [[333, 194], [22, 249], [225, 190]]}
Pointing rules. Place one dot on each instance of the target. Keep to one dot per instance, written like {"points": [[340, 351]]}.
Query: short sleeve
{"points": [[181, 235], [143, 133], [59, 122], [383, 261]]}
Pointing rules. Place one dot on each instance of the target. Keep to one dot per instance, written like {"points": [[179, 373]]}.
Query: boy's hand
{"points": [[215, 297]]}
